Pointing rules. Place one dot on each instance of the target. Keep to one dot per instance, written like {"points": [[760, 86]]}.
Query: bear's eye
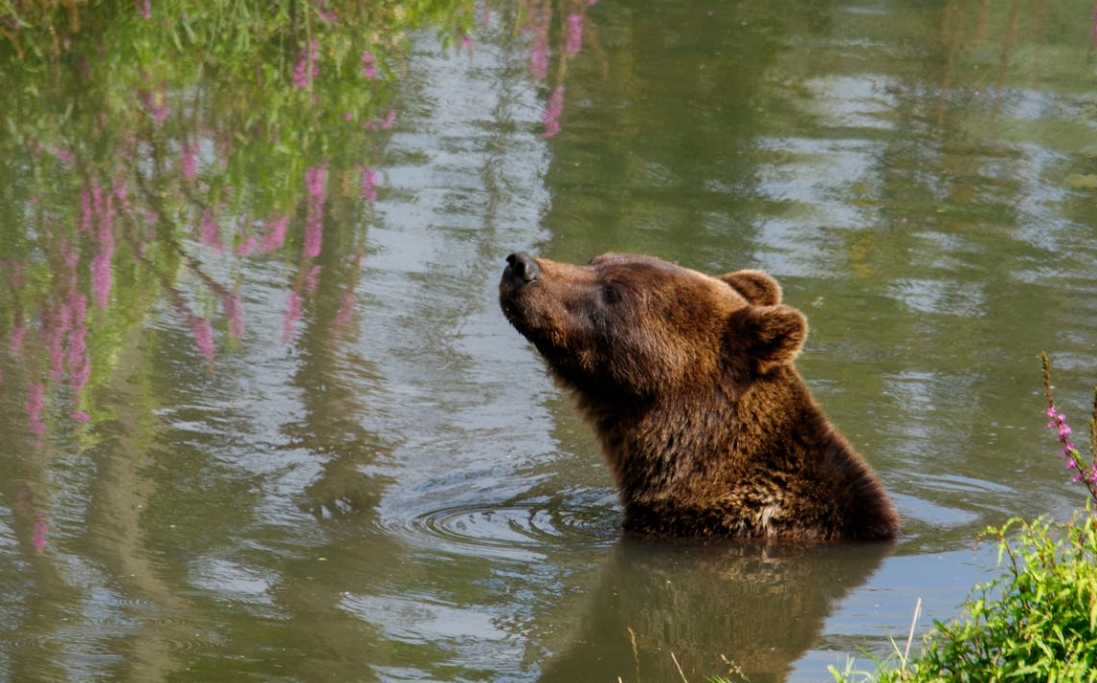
{"points": [[610, 294]]}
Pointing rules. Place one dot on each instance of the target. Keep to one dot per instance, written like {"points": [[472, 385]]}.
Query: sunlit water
{"points": [[388, 487]]}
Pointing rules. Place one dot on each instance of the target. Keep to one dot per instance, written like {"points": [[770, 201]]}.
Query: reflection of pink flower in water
{"points": [[275, 235], [574, 41], [539, 54], [233, 310], [156, 105], [35, 401], [15, 341], [369, 66], [312, 279], [203, 335], [188, 160], [100, 267], [369, 184], [346, 309], [293, 314], [314, 220], [308, 66], [79, 367], [390, 118], [555, 108], [210, 232], [246, 246], [38, 540]]}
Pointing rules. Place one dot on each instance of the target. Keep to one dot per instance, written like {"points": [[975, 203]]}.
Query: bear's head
{"points": [[636, 327]]}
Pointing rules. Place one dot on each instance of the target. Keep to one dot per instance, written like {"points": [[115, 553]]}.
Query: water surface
{"points": [[261, 417]]}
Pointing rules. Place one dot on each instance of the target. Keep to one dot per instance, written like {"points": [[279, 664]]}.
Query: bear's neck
{"points": [[678, 445]]}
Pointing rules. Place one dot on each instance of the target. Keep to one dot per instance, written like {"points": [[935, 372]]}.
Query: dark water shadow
{"points": [[667, 610]]}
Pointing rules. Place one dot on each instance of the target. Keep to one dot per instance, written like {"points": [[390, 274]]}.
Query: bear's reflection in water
{"points": [[743, 610]]}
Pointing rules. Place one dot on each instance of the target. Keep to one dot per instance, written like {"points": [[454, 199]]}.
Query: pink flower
{"points": [[80, 416], [555, 108], [144, 9], [369, 66], [574, 40]]}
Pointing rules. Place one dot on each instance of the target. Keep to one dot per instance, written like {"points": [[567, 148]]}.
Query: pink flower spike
{"points": [[81, 416], [144, 9]]}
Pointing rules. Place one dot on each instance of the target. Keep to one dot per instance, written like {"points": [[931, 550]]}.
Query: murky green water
{"points": [[260, 416]]}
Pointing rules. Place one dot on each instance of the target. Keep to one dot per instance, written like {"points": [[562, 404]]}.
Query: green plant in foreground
{"points": [[1038, 621]]}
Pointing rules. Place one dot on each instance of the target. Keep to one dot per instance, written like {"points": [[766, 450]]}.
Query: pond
{"points": [[262, 419]]}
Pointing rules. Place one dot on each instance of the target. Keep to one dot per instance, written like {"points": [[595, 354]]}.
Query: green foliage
{"points": [[1038, 621]]}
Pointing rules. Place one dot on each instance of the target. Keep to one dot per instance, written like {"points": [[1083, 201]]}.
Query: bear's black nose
{"points": [[521, 265]]}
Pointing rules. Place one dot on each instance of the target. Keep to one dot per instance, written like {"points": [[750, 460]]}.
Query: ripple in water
{"points": [[532, 526]]}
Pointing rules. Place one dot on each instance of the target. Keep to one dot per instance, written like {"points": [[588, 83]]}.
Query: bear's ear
{"points": [[756, 287], [767, 336]]}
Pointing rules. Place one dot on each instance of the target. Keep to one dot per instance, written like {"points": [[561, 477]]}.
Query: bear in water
{"points": [[689, 382]]}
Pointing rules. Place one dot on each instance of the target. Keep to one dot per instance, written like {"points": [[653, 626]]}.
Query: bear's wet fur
{"points": [[689, 382]]}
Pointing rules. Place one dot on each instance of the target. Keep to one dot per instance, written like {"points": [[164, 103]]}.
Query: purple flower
{"points": [[574, 40]]}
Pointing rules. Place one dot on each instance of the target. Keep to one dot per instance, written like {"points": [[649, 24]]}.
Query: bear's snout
{"points": [[521, 269]]}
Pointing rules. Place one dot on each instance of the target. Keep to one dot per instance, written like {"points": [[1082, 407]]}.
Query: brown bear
{"points": [[689, 382]]}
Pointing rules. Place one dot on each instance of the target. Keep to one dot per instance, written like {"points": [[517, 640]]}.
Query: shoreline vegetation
{"points": [[1035, 622]]}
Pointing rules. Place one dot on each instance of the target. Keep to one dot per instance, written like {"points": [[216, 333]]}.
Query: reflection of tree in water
{"points": [[746, 609]]}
